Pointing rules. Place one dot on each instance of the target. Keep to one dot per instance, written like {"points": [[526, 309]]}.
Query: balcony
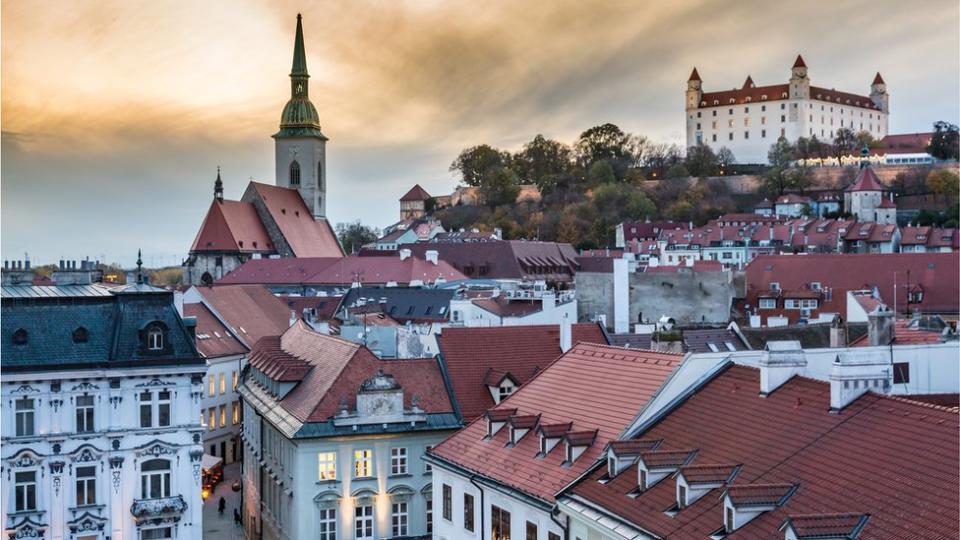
{"points": [[145, 509]]}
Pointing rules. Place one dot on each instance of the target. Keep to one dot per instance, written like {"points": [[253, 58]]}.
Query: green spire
{"points": [[299, 55], [299, 118]]}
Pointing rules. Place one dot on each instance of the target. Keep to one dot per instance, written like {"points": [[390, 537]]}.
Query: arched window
{"points": [[20, 337], [155, 479], [81, 335], [320, 176], [155, 338], [295, 174], [207, 279]]}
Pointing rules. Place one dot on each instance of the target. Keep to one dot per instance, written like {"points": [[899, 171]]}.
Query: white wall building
{"points": [[101, 437], [748, 120], [514, 308]]}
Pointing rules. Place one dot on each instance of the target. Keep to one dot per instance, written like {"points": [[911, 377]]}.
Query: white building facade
{"points": [[750, 119], [101, 437]]}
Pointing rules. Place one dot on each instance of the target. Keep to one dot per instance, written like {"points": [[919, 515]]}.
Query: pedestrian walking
{"points": [[222, 505]]}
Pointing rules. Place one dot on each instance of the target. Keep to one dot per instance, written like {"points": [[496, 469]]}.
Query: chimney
{"points": [[548, 301], [404, 254], [880, 326], [566, 334], [431, 255], [16, 274], [69, 274], [293, 317], [621, 296], [781, 360], [838, 333], [854, 373]]}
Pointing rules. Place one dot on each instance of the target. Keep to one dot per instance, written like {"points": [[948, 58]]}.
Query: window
{"points": [[427, 467], [429, 516], [730, 111], [146, 409], [447, 503], [24, 417], [363, 522], [236, 413], [362, 466], [531, 531], [643, 479], [729, 123], [775, 286], [682, 496], [468, 512], [212, 385], [163, 408], [729, 520], [295, 174], [505, 391], [328, 524], [730, 136], [223, 416], [20, 337], [155, 339], [398, 461], [327, 465], [84, 414], [81, 335], [746, 134], [161, 533], [763, 134], [499, 523], [901, 372], [698, 126], [155, 479], [399, 518], [553, 536], [768, 303], [212, 424], [25, 491], [236, 379], [86, 486], [223, 383]]}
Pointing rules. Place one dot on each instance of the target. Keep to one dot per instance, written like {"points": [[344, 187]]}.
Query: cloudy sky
{"points": [[115, 114]]}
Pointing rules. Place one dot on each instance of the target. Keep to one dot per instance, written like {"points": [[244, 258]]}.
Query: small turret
{"points": [[799, 82], [878, 93], [694, 90]]}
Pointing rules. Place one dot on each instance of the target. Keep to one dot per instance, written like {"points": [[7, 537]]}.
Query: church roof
{"points": [[867, 180], [306, 236], [299, 118], [232, 226], [416, 193]]}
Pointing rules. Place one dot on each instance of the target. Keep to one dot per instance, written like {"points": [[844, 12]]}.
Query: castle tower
{"points": [[694, 90], [878, 93], [799, 82], [301, 153]]}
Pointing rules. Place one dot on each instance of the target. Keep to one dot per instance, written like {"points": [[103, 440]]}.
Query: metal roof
{"points": [[51, 291]]}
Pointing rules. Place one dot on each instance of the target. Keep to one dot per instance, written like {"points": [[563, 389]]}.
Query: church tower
{"points": [[301, 148]]}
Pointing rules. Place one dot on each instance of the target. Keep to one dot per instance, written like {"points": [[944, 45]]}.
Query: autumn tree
{"points": [[945, 143], [476, 163], [501, 186], [353, 236], [943, 182], [701, 161], [844, 142], [544, 162]]}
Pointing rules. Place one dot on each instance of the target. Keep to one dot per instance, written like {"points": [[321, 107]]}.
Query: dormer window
{"points": [[496, 419], [577, 443], [742, 503], [520, 425], [775, 286], [155, 339]]}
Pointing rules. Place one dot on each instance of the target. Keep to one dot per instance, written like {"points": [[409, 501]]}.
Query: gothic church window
{"points": [[320, 175], [295, 174]]}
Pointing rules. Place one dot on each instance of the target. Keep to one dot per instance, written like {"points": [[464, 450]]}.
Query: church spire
{"points": [[218, 187], [299, 55], [299, 116]]}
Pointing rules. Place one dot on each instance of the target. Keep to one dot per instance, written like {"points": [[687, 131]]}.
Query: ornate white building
{"points": [[748, 120], [101, 400]]}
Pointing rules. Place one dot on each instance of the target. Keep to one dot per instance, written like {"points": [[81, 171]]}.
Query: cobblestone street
{"points": [[215, 525]]}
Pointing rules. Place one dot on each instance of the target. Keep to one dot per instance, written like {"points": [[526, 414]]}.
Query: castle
{"points": [[284, 220], [748, 120]]}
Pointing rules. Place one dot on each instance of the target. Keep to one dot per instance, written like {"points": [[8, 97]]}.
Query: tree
{"points": [[606, 142], [677, 170], [544, 162], [701, 161], [725, 157], [779, 157], [601, 173], [844, 142], [353, 236], [945, 143], [658, 158], [477, 162], [500, 187], [943, 182]]}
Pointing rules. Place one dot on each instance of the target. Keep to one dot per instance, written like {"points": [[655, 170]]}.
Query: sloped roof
{"points": [[289, 271], [505, 259], [404, 304], [521, 351], [306, 236], [880, 456], [866, 180], [599, 389], [213, 338], [416, 193], [232, 226], [251, 310], [905, 143], [937, 273], [382, 269], [325, 306]]}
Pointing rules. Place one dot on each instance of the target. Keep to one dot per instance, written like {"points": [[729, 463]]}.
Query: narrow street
{"points": [[215, 525]]}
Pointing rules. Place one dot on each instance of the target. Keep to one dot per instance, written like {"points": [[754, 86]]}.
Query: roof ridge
{"points": [[632, 349], [906, 400]]}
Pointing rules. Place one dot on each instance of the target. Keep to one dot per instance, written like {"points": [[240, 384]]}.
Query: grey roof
{"points": [[114, 325], [51, 291], [404, 303], [810, 336], [694, 340]]}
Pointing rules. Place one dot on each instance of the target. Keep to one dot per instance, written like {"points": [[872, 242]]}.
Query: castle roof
{"points": [[878, 79], [416, 193], [798, 63], [694, 76]]}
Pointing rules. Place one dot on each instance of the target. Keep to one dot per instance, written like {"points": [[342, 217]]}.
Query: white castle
{"points": [[750, 119]]}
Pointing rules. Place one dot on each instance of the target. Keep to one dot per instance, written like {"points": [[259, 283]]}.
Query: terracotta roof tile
{"points": [[524, 421], [827, 526], [634, 447], [667, 459], [290, 271], [506, 259], [580, 438], [232, 226], [306, 236], [866, 180], [760, 494], [213, 338], [251, 310], [416, 193], [554, 430], [593, 386], [709, 474], [500, 415]]}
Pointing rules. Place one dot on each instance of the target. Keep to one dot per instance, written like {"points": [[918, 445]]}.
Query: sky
{"points": [[116, 114]]}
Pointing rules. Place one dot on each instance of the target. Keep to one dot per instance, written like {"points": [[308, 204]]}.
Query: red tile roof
{"points": [[416, 193], [325, 306], [306, 236], [903, 334], [330, 371], [382, 270], [892, 458], [232, 226], [506, 259], [520, 351], [798, 63], [904, 143], [251, 310], [290, 271], [878, 79], [819, 526], [694, 76], [937, 273], [760, 494], [633, 447], [709, 474], [928, 236], [866, 180], [214, 340], [593, 386], [742, 96]]}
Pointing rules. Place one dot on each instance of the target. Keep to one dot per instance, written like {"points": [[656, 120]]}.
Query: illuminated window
{"points": [[236, 379], [236, 412], [223, 416], [212, 423], [362, 463], [212, 385], [327, 463], [223, 383]]}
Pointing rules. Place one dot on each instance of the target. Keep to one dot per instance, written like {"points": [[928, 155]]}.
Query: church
{"points": [[287, 219]]}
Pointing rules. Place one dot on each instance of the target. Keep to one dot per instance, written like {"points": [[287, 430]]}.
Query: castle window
{"points": [[295, 174], [731, 136], [80, 335], [714, 113]]}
